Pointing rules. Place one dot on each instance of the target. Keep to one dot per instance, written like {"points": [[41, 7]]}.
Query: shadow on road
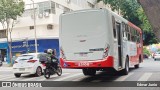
{"points": [[104, 76]]}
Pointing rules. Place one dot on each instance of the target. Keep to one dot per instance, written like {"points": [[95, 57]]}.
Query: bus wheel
{"points": [[136, 66], [90, 72], [126, 69]]}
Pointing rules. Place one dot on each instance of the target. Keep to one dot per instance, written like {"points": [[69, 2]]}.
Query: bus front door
{"points": [[119, 36]]}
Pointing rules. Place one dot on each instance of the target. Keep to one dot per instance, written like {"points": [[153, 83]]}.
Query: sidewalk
{"points": [[6, 67], [5, 64]]}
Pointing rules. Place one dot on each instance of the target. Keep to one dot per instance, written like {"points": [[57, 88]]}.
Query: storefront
{"points": [[4, 52], [21, 47]]}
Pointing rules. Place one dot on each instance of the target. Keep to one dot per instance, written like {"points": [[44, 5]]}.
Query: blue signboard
{"points": [[42, 44], [21, 47]]}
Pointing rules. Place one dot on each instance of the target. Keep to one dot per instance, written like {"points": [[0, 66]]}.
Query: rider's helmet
{"points": [[49, 51]]}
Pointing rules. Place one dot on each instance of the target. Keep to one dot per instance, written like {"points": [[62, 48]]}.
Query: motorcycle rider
{"points": [[52, 58]]}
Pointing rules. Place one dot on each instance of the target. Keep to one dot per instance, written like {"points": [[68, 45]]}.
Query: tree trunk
{"points": [[152, 10], [10, 48]]}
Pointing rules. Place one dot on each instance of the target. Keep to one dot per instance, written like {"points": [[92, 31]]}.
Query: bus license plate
{"points": [[83, 55], [22, 69], [83, 64]]}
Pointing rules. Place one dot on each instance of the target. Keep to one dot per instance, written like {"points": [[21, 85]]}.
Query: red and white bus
{"points": [[99, 39]]}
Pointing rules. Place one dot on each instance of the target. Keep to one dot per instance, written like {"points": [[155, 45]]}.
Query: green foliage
{"points": [[149, 38], [146, 51], [10, 9], [158, 50], [133, 12], [128, 9], [145, 25]]}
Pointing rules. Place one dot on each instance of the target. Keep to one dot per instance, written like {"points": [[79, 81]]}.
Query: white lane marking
{"points": [[122, 78], [11, 77], [52, 76], [145, 77], [7, 77], [30, 79], [79, 78], [67, 77], [6, 69]]}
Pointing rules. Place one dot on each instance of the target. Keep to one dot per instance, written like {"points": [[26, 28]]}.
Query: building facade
{"points": [[46, 24]]}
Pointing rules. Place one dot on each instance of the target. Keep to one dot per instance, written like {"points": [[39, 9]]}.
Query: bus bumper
{"points": [[104, 63]]}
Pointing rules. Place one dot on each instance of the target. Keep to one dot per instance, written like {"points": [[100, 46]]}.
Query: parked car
{"points": [[157, 55], [28, 64], [145, 56]]}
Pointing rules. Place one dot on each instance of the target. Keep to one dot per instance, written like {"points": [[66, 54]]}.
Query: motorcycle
{"points": [[50, 70]]}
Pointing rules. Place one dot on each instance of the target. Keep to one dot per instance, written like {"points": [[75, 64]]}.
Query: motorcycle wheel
{"points": [[59, 71], [46, 73]]}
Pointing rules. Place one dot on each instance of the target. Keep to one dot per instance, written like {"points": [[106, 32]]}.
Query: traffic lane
{"points": [[146, 65], [77, 75]]}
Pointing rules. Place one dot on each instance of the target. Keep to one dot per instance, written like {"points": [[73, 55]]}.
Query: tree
{"points": [[133, 12], [149, 38], [146, 51], [9, 11], [145, 25], [128, 9]]}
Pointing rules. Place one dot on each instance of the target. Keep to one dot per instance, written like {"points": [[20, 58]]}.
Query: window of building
{"points": [[47, 6], [29, 12], [65, 9], [53, 7], [49, 27], [31, 27], [44, 7], [3, 34]]}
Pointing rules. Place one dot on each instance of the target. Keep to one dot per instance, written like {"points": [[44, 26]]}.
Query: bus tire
{"points": [[126, 69], [89, 72], [136, 66]]}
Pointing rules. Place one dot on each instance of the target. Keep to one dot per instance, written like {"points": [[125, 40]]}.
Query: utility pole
{"points": [[35, 33]]}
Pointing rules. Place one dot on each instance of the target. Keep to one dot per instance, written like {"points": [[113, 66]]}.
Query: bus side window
{"points": [[123, 29], [129, 34], [138, 37], [132, 34], [125, 34], [114, 28], [126, 31]]}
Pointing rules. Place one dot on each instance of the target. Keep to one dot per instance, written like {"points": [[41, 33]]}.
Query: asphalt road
{"points": [[149, 71]]}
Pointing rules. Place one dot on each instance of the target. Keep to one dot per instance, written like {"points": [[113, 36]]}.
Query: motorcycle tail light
{"points": [[43, 64]]}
